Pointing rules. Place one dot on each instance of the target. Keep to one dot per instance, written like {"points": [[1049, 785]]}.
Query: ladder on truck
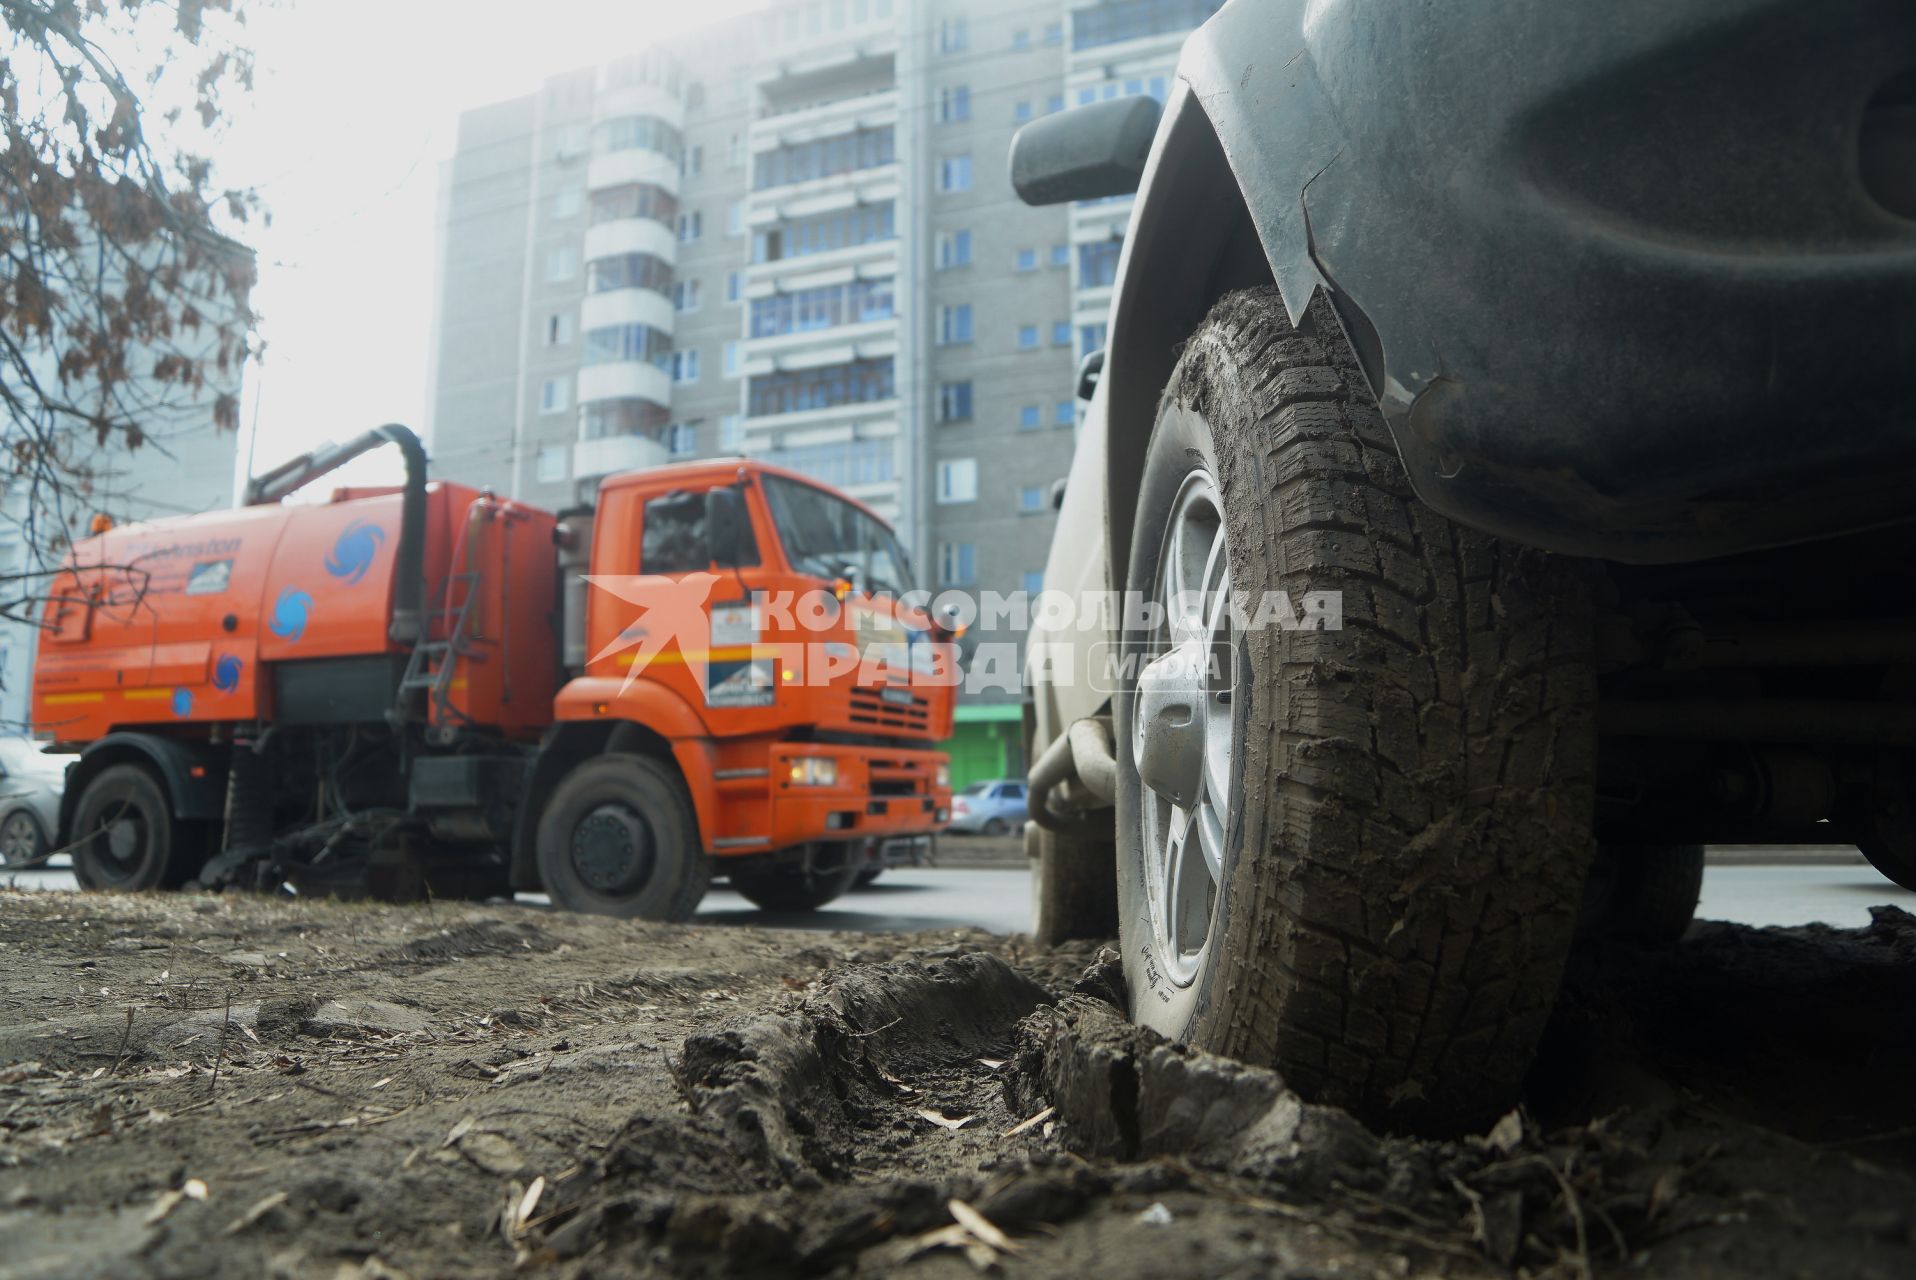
{"points": [[433, 662]]}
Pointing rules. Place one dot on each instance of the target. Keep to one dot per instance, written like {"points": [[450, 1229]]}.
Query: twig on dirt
{"points": [[126, 1038], [1031, 1122], [219, 1055], [1575, 1205], [320, 1088], [861, 1035]]}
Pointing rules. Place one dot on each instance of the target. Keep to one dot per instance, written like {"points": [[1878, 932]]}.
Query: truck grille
{"points": [[870, 710]]}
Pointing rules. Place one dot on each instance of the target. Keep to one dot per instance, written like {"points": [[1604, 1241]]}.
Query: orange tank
{"points": [[276, 586]]}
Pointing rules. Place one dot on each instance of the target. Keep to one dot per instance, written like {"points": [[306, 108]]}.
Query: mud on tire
{"points": [[125, 836], [1411, 797], [792, 886]]}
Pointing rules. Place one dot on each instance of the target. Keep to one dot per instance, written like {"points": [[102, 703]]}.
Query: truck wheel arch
{"points": [[193, 774]]}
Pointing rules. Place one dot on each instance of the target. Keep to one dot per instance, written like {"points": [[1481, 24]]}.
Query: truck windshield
{"points": [[831, 538]]}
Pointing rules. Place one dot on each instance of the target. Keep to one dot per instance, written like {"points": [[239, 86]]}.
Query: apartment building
{"points": [[792, 236]]}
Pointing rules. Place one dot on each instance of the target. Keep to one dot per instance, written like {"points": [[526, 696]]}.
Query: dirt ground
{"points": [[235, 1086]]}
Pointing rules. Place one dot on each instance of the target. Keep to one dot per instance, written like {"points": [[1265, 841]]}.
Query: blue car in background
{"points": [[989, 808]]}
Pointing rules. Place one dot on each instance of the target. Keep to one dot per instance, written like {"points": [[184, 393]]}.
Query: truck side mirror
{"points": [[1086, 152], [724, 525]]}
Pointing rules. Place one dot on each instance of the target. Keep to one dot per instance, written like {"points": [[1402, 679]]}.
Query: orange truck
{"points": [[428, 688]]}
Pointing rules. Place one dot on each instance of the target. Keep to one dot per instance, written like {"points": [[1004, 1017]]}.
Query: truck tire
{"points": [[1645, 893], [1373, 878], [1074, 886], [125, 837], [792, 886], [619, 838]]}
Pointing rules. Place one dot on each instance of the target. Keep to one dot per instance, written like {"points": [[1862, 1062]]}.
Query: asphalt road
{"points": [[998, 899]]}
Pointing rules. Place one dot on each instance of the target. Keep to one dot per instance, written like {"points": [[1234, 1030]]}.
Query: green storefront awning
{"points": [[982, 712]]}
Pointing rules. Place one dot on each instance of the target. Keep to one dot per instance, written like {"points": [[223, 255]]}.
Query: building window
{"points": [[1021, 38], [682, 438], [954, 249], [957, 563], [954, 36], [954, 324], [626, 416], [1090, 338], [954, 104], [824, 157], [1061, 333], [550, 464], [731, 359], [685, 366], [628, 271], [1034, 581], [634, 200], [629, 132], [799, 390], [628, 342], [954, 401], [733, 285], [843, 466], [1027, 337], [555, 395], [685, 295], [568, 202], [1067, 412], [826, 307], [732, 432], [1029, 417], [1060, 255], [954, 173], [735, 157], [572, 140], [1098, 263], [1054, 104], [559, 328], [1031, 498], [1053, 32], [1123, 20], [957, 481], [735, 218], [1027, 259], [824, 233], [691, 227], [562, 264], [1021, 112], [692, 163]]}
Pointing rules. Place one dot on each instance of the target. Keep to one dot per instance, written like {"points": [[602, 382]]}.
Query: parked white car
{"points": [[30, 784]]}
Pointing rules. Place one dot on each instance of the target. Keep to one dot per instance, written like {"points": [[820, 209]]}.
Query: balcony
{"points": [[815, 120], [810, 69], [615, 454], [633, 164], [626, 306], [624, 379], [631, 235]]}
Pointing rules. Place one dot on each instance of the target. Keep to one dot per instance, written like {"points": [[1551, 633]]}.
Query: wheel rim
{"points": [[1183, 732], [17, 839], [121, 840], [612, 849]]}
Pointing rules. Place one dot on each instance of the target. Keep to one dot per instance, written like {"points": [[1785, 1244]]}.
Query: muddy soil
{"points": [[232, 1086]]}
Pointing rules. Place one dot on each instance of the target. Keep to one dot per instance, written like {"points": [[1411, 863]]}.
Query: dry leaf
{"points": [[945, 1123], [527, 1205], [167, 1202], [992, 1063], [194, 1189], [1507, 1133], [980, 1226], [459, 1131]]}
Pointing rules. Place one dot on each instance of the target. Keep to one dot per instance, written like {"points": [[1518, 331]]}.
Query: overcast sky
{"points": [[354, 110]]}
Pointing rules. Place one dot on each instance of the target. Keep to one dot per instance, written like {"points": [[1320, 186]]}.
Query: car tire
{"points": [[1397, 858], [1644, 893], [790, 887], [125, 837], [23, 841], [619, 838], [996, 827]]}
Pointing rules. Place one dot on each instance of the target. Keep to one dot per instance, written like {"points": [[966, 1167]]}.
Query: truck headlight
{"points": [[943, 777], [814, 771]]}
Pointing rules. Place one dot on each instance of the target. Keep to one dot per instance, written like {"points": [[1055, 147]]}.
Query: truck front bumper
{"points": [[873, 792]]}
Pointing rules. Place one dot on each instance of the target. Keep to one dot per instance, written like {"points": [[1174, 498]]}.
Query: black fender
{"points": [[1625, 279], [193, 773]]}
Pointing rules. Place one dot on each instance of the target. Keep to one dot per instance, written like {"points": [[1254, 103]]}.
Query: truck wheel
{"points": [[1353, 854], [792, 886], [1643, 892], [619, 838], [125, 837]]}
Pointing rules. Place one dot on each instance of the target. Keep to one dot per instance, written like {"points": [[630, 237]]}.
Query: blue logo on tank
{"points": [[226, 673], [290, 614], [182, 702], [353, 554]]}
